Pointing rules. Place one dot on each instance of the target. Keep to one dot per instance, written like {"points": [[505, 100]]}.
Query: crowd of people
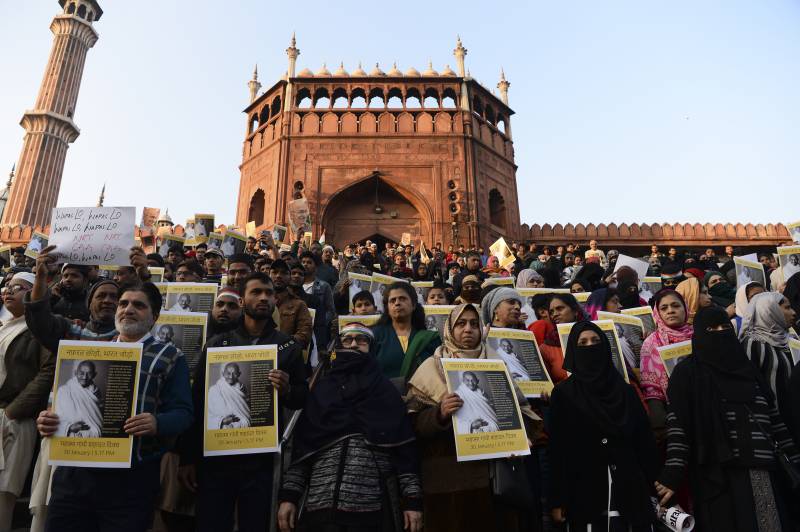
{"points": [[371, 444]]}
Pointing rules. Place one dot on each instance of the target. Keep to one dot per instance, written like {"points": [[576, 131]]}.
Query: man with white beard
{"points": [[123, 499]]}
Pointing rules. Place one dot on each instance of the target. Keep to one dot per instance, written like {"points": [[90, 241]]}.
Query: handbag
{"points": [[786, 466], [510, 484]]}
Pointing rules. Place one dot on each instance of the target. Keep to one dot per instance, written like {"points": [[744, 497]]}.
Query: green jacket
{"points": [[390, 353]]}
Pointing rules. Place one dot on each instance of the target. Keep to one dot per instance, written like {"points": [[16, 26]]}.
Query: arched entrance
{"points": [[371, 208]]}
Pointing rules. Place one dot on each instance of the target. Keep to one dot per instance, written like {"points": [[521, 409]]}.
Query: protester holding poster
{"points": [[452, 486], [670, 314], [84, 497], [353, 426], [602, 452], [93, 235], [223, 482], [718, 408], [241, 404]]}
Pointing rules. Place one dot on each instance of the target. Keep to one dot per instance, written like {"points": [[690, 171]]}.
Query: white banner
{"points": [[93, 235]]}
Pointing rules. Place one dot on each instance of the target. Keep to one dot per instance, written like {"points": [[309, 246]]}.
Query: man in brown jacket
{"points": [[26, 377], [292, 313]]}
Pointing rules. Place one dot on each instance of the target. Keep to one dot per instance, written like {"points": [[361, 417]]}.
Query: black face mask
{"points": [[591, 362], [716, 347]]}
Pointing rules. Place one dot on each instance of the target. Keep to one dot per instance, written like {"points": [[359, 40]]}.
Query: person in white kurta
{"points": [[17, 437], [514, 364], [227, 401], [78, 404], [477, 414]]}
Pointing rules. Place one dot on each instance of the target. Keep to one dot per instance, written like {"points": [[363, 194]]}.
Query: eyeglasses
{"points": [[14, 290], [350, 340]]}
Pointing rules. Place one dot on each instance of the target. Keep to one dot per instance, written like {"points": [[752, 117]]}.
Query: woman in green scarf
{"points": [[401, 338]]}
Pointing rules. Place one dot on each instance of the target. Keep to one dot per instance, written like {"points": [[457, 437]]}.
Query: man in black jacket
{"points": [[69, 299], [241, 482]]}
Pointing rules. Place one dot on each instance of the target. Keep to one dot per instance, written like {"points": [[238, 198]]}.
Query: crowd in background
{"points": [[373, 447]]}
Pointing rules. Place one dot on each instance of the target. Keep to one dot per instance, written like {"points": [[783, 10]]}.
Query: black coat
{"points": [[290, 360], [72, 307], [581, 455]]}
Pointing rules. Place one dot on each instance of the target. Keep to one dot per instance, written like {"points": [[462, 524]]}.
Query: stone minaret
{"points": [[503, 85], [254, 86], [49, 129]]}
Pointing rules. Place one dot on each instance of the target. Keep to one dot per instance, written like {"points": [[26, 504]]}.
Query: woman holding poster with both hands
{"points": [[602, 453], [450, 487]]}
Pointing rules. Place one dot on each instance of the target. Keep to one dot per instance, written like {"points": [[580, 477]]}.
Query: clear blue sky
{"points": [[625, 111]]}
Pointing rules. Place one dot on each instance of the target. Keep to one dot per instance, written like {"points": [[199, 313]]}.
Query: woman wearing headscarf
{"points": [[564, 308], [722, 294], [792, 293], [421, 272], [670, 314], [626, 282], [352, 435], [765, 338], [502, 308], [458, 495], [592, 274], [602, 453], [743, 296], [493, 268], [530, 279], [695, 294], [607, 300], [721, 425]]}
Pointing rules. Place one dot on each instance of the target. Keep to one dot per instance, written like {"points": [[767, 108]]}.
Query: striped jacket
{"points": [[165, 392]]}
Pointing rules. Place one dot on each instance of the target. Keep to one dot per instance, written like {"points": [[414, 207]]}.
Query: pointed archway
{"points": [[370, 207]]}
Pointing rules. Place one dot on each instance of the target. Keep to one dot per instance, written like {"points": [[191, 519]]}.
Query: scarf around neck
{"points": [[764, 321], [666, 335]]}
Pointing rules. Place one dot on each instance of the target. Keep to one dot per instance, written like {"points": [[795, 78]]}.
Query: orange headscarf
{"points": [[690, 290]]}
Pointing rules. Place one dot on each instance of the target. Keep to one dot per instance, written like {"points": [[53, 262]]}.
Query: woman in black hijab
{"points": [[792, 293], [602, 451], [715, 397], [356, 452]]}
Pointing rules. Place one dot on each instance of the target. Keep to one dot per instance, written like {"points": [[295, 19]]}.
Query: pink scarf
{"points": [[653, 375]]}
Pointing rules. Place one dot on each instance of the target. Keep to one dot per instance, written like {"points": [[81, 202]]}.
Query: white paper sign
{"points": [[639, 266], [93, 235]]}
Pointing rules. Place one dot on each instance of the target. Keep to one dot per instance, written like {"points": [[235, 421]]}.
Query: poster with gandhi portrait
{"points": [[489, 422], [94, 392], [521, 355], [184, 330], [789, 261], [241, 406]]}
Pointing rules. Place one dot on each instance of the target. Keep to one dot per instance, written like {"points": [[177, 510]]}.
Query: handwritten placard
{"points": [[93, 235]]}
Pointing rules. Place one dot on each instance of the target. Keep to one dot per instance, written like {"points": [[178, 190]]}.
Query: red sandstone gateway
{"points": [[380, 154]]}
